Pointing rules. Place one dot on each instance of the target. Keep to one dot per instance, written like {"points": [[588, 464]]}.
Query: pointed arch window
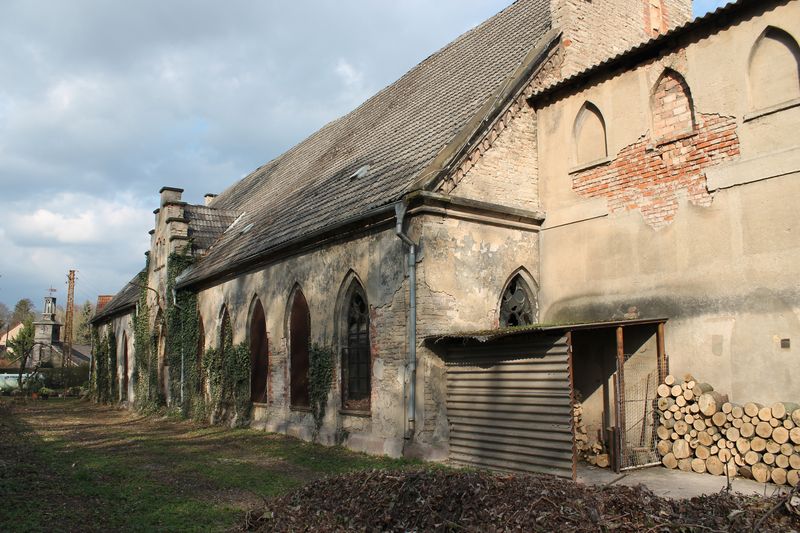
{"points": [[517, 307], [123, 392], [355, 350], [590, 135], [299, 334], [259, 354], [774, 70], [672, 106]]}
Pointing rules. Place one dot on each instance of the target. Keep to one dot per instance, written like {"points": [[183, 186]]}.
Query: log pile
{"points": [[700, 430], [589, 449]]}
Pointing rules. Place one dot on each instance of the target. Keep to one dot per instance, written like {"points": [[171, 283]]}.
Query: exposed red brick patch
{"points": [[672, 106], [649, 178]]}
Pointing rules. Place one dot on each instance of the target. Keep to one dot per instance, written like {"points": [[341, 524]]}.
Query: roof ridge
{"points": [[398, 131]]}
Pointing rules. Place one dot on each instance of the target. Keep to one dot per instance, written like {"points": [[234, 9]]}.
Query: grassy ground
{"points": [[74, 466]]}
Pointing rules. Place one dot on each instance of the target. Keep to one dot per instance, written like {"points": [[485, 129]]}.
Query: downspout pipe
{"points": [[411, 363]]}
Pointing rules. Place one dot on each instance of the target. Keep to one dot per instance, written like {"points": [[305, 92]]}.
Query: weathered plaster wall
{"points": [[123, 330], [378, 262], [122, 326], [464, 267], [722, 261]]}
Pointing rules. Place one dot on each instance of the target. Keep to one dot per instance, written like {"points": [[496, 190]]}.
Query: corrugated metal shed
{"points": [[509, 405]]}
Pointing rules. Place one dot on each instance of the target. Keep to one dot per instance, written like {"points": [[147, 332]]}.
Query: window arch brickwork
{"points": [[672, 108], [356, 357]]}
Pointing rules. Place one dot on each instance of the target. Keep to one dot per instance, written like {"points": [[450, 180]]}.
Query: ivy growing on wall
{"points": [[181, 342], [103, 381], [320, 378], [227, 368], [145, 345], [100, 367]]}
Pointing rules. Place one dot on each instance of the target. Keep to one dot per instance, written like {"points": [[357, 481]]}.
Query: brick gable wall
{"points": [[595, 31]]}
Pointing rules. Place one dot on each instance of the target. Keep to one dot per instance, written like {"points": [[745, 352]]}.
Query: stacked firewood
{"points": [[589, 449], [700, 430]]}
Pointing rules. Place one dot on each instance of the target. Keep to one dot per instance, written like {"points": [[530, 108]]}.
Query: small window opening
{"points": [[517, 308]]}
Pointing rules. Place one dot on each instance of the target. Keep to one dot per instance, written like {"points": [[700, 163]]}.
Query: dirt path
{"points": [[77, 466]]}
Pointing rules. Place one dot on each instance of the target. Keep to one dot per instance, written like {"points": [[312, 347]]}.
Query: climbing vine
{"points": [[145, 345], [227, 368], [104, 372], [320, 378], [181, 341]]}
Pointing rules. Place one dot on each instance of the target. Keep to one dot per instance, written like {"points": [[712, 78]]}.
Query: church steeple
{"points": [[46, 331]]}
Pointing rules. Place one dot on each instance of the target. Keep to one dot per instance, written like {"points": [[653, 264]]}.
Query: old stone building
{"points": [[569, 180]]}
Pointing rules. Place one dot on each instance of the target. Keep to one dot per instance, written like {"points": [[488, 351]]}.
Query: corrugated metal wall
{"points": [[509, 405]]}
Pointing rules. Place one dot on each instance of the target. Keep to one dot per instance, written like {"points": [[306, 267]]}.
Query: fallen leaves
{"points": [[476, 501]]}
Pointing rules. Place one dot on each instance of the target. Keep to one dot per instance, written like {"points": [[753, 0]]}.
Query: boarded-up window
{"points": [[517, 307], [590, 135], [356, 357], [673, 111], [774, 69], [299, 332], [259, 355]]}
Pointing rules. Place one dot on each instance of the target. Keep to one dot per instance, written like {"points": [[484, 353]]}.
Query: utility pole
{"points": [[67, 354]]}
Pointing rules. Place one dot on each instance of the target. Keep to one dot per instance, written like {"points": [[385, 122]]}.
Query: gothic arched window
{"points": [[299, 334], [774, 72], [259, 354], [517, 307], [590, 135], [356, 356], [672, 106]]}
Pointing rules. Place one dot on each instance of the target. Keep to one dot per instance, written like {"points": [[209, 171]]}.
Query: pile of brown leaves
{"points": [[446, 500]]}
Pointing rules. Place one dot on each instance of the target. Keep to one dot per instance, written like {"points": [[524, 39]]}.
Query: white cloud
{"points": [[103, 103]]}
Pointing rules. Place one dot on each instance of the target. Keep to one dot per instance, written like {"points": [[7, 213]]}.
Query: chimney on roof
{"points": [[102, 301], [170, 194], [208, 197]]}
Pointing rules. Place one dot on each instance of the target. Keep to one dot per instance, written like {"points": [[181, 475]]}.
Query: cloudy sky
{"points": [[102, 103]]}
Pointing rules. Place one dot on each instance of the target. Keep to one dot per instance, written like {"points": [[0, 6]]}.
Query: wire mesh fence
{"points": [[639, 418]]}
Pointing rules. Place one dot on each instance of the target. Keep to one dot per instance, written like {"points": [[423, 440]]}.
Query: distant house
{"points": [[8, 335]]}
